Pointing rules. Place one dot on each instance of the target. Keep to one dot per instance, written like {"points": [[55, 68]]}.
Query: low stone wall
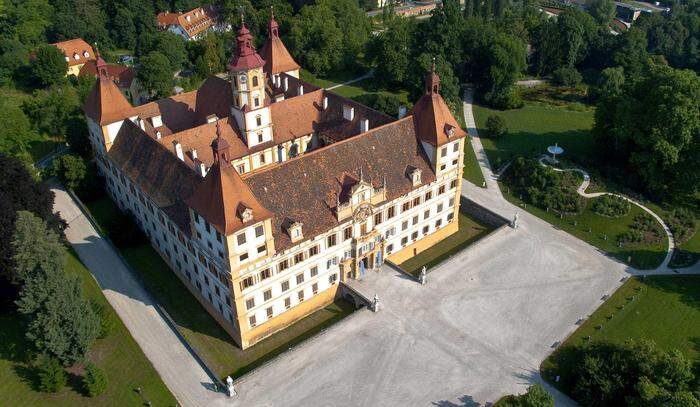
{"points": [[482, 214]]}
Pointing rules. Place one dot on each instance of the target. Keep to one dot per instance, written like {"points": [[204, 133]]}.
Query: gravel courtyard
{"points": [[477, 331]]}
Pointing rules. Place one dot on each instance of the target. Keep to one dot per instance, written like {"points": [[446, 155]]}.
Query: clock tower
{"points": [[250, 106]]}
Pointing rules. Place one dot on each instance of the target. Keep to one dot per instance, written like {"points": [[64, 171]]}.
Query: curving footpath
{"points": [[582, 191]]}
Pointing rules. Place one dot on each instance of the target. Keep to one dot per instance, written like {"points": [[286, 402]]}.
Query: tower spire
{"points": [[220, 146], [432, 81]]}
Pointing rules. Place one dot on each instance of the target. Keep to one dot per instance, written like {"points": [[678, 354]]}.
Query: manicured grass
{"points": [[358, 89], [330, 79], [118, 355], [641, 256], [200, 330], [40, 148], [665, 309], [534, 127], [472, 170], [470, 230]]}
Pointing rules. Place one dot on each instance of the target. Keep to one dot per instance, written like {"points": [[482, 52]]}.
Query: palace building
{"points": [[265, 193]]}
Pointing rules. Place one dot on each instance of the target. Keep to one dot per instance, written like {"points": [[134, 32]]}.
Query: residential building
{"points": [[123, 76], [265, 193], [77, 52], [193, 24]]}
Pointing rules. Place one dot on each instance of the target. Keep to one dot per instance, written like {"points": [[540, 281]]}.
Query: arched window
{"points": [[255, 81]]}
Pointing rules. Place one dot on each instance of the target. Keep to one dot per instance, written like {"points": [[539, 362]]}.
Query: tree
{"points": [[27, 21], [70, 169], [13, 56], [329, 35], [15, 133], [49, 65], [20, 191], [449, 86], [536, 396], [155, 74], [124, 29], [564, 41], [651, 130], [61, 322], [565, 76], [34, 246], [52, 377], [603, 11], [92, 17], [496, 127], [94, 380], [50, 109], [391, 51]]}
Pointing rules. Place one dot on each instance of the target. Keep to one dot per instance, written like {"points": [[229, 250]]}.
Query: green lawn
{"points": [[534, 127], [470, 230], [118, 355], [664, 309], [331, 79], [472, 170], [642, 256], [200, 330], [358, 89]]}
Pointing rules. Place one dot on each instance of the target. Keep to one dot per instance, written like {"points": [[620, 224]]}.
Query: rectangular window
{"points": [[426, 229], [251, 321], [378, 218], [439, 208], [267, 295], [300, 278], [428, 195], [243, 257], [443, 152], [300, 295], [426, 214], [453, 184], [391, 212], [438, 223], [404, 225], [314, 288], [389, 249], [250, 303], [313, 251], [404, 240], [259, 230], [454, 162], [415, 220], [450, 216], [283, 265], [265, 274], [416, 201], [414, 236], [441, 190], [331, 240], [363, 229], [314, 271], [452, 202], [406, 206], [240, 239], [455, 147], [285, 285], [269, 312], [299, 257], [261, 249], [347, 233], [246, 282], [287, 303]]}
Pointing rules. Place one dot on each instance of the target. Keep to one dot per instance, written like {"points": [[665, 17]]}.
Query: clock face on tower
{"points": [[243, 79]]}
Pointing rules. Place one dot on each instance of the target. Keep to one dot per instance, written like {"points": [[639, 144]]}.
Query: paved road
{"points": [[185, 378]]}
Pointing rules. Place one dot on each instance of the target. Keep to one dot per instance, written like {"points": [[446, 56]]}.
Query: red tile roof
{"points": [[77, 51], [277, 58], [105, 103], [122, 75]]}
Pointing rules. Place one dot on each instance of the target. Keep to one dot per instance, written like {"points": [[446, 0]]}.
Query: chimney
{"points": [[201, 168], [301, 90], [364, 125], [178, 150], [156, 121], [194, 154], [286, 83], [158, 135], [402, 111], [140, 122], [212, 118], [348, 112], [278, 80], [325, 102]]}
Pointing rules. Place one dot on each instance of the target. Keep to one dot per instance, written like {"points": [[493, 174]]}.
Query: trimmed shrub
{"points": [[52, 378], [496, 127], [94, 380], [564, 76], [682, 224], [543, 187], [611, 206]]}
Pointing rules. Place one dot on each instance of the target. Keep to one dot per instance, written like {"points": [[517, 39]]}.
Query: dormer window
{"points": [[67, 59], [86, 54], [415, 175], [245, 213], [76, 56], [449, 130], [188, 18], [295, 231]]}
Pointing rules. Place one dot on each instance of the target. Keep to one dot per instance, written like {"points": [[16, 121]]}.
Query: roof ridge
{"points": [[160, 145]]}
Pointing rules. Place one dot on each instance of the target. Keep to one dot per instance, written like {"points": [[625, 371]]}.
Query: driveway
{"points": [[179, 370]]}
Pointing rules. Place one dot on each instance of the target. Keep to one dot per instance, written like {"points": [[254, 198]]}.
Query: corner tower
{"points": [[277, 58], [250, 105]]}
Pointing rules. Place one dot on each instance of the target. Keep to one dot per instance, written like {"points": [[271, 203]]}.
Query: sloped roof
{"points": [[160, 175], [76, 48], [277, 58], [105, 104], [122, 75], [220, 197], [200, 19], [434, 121], [303, 189]]}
